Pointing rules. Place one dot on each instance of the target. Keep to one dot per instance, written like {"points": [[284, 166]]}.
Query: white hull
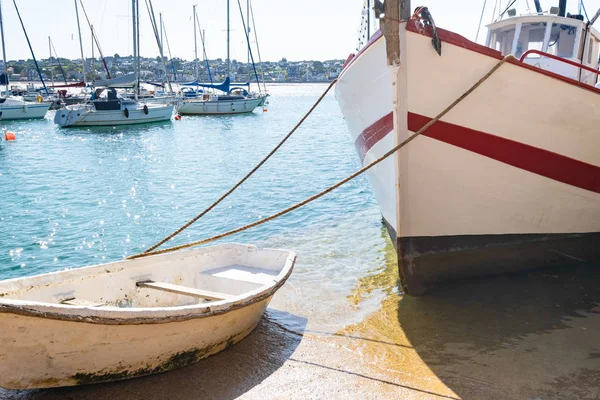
{"points": [[85, 115], [129, 330], [507, 162], [23, 111], [210, 107]]}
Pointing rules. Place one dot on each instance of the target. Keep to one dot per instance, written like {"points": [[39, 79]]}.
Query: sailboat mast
{"points": [[37, 67], [262, 72], [170, 56], [4, 67], [80, 40], [203, 40], [161, 29], [248, 19], [51, 63], [195, 47], [150, 8], [135, 50], [93, 58], [137, 31], [228, 59]]}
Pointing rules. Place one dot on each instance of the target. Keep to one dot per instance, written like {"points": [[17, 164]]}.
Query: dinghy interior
{"points": [[170, 284]]}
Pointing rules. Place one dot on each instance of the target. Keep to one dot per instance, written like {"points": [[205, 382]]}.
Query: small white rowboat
{"points": [[135, 317]]}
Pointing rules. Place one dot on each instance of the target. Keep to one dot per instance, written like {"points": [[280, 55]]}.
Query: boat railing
{"points": [[552, 56]]}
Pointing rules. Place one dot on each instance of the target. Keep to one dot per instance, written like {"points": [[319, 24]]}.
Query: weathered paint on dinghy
{"points": [[124, 330]]}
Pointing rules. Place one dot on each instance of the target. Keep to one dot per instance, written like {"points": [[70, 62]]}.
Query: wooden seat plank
{"points": [[187, 291]]}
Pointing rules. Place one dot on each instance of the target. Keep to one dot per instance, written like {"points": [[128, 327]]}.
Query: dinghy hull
{"points": [[135, 317], [41, 352]]}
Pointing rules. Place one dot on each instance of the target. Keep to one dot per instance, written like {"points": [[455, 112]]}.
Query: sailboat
{"points": [[12, 108], [509, 177], [227, 100], [108, 107]]}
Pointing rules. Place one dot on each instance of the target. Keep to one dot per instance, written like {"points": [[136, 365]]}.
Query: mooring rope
{"points": [[335, 186], [213, 205]]}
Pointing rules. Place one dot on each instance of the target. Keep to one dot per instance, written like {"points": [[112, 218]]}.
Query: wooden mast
{"points": [[368, 20], [397, 13]]}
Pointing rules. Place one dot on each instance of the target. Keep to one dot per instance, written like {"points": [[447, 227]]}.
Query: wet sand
{"points": [[529, 336]]}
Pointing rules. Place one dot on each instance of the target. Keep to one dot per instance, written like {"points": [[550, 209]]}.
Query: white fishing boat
{"points": [[509, 178], [135, 317]]}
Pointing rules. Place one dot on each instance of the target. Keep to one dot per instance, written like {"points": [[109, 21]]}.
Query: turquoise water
{"points": [[82, 196]]}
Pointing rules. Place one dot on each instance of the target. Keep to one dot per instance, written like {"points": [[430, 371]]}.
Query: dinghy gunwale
{"points": [[113, 315]]}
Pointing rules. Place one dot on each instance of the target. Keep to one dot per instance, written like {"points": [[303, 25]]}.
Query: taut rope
{"points": [[149, 252], [213, 205]]}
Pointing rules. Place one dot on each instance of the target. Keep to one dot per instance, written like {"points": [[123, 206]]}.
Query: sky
{"points": [[294, 29]]}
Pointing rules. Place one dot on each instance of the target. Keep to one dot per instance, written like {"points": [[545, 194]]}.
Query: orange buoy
{"points": [[10, 135], [177, 117], [265, 110]]}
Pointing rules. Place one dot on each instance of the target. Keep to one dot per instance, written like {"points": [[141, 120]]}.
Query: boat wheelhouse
{"points": [[565, 45]]}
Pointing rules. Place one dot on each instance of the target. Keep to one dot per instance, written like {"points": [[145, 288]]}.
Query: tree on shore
{"points": [[318, 67]]}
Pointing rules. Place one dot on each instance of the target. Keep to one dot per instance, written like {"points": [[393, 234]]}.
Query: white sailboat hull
{"points": [[506, 180], [207, 107], [88, 116], [122, 330], [23, 111]]}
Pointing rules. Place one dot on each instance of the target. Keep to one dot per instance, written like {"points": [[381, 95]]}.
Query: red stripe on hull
{"points": [[374, 134], [529, 158]]}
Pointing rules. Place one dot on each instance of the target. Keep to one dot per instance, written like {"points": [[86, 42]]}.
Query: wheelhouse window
{"points": [[502, 39], [562, 40], [531, 37]]}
